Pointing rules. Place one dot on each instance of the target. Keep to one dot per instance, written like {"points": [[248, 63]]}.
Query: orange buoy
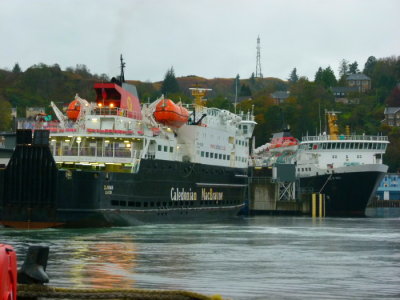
{"points": [[8, 272], [170, 114], [73, 110]]}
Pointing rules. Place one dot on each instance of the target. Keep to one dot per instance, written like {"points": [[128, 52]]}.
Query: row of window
{"points": [[160, 148], [241, 159], [215, 155], [348, 145], [303, 169], [241, 143], [169, 204]]}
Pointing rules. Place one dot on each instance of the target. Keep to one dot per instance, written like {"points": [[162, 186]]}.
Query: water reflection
{"points": [[258, 258]]}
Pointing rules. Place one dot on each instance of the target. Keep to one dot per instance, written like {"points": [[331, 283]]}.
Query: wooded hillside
{"points": [[303, 110]]}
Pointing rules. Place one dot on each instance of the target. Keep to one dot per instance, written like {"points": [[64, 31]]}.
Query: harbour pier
{"points": [[275, 191]]}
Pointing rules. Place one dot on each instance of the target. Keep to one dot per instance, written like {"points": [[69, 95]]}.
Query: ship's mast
{"points": [[122, 76], [198, 94], [333, 127]]}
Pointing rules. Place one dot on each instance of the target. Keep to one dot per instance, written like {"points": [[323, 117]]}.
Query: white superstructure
{"points": [[318, 155], [108, 138]]}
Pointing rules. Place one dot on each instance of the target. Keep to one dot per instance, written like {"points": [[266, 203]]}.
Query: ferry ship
{"points": [[346, 168], [115, 162]]}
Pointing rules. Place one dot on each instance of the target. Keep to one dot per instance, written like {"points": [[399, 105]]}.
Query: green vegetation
{"points": [[303, 111]]}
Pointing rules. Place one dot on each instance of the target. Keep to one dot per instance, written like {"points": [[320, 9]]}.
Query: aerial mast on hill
{"points": [[258, 62]]}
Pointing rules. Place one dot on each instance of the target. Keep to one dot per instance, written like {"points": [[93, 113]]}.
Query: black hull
{"points": [[34, 193], [346, 194]]}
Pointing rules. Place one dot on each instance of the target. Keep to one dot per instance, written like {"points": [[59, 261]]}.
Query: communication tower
{"points": [[258, 63]]}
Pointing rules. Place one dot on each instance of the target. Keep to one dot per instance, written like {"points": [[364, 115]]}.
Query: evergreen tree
{"points": [[328, 78], [170, 85], [318, 76], [245, 90], [293, 78], [252, 79], [16, 68], [353, 68], [343, 69], [325, 77]]}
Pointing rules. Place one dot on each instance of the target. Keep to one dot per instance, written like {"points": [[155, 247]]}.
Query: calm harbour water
{"points": [[255, 258]]}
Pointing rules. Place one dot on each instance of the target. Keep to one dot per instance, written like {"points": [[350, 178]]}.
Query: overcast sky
{"points": [[215, 38]]}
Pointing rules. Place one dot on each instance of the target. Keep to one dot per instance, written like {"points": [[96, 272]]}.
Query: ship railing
{"points": [[115, 111], [246, 116], [345, 137], [52, 126], [94, 152]]}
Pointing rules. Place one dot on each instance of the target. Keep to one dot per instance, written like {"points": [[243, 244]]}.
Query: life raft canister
{"points": [[8, 273]]}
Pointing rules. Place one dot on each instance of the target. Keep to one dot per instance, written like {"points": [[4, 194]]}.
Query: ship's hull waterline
{"points": [[35, 193], [346, 194]]}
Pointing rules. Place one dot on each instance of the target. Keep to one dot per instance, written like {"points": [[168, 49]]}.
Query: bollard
{"points": [[314, 205], [321, 205], [33, 270]]}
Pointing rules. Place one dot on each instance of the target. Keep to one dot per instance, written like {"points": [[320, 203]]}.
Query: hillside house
{"points": [[280, 96], [392, 116], [341, 94], [361, 81]]}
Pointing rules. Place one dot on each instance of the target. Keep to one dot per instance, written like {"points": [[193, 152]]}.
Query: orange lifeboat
{"points": [[170, 114], [73, 110]]}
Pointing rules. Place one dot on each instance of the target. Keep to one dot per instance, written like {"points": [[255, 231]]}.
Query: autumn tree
{"points": [[219, 101], [394, 97], [369, 65], [5, 115]]}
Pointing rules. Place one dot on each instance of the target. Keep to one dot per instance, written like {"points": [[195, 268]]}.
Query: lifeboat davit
{"points": [[73, 110], [170, 114]]}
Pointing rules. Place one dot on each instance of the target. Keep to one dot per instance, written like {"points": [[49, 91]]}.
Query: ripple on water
{"points": [[255, 258]]}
